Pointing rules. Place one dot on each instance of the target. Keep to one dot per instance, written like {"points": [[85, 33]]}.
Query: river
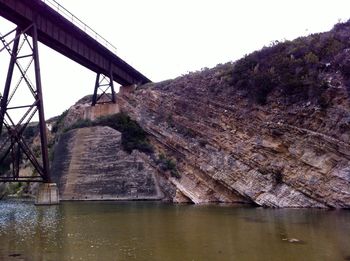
{"points": [[158, 231]]}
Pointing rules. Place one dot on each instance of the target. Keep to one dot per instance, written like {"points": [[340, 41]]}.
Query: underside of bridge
{"points": [[37, 22]]}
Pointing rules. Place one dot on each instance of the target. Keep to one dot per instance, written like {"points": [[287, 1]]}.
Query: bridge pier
{"points": [[47, 194], [24, 56], [104, 84]]}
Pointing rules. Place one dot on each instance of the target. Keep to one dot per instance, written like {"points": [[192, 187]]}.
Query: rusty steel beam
{"points": [[6, 91], [104, 90], [40, 106], [15, 145]]}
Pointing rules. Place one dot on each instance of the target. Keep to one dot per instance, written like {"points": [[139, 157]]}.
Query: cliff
{"points": [[272, 128]]}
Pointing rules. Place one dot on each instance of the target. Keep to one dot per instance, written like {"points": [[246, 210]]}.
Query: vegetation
{"points": [[276, 174], [59, 122], [14, 188], [30, 131], [168, 165], [133, 136], [80, 124], [293, 68], [202, 142], [278, 177]]}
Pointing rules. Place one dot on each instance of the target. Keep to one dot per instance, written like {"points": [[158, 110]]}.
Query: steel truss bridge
{"points": [[48, 22]]}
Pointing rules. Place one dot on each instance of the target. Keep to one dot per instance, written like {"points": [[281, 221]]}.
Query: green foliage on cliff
{"points": [[293, 68], [167, 164], [59, 122], [31, 131], [80, 124], [133, 136]]}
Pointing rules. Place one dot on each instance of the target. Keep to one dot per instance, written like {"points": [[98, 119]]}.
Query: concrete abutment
{"points": [[47, 194]]}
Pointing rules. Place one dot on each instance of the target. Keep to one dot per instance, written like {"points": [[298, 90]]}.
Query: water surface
{"points": [[159, 231]]}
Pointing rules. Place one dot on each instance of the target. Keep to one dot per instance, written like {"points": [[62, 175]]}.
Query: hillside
{"points": [[272, 128]]}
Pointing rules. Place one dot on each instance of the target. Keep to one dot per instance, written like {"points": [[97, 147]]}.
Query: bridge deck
{"points": [[62, 35]]}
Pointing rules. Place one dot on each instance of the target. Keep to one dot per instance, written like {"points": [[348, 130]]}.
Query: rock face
{"points": [[89, 164], [230, 148], [83, 110], [272, 129]]}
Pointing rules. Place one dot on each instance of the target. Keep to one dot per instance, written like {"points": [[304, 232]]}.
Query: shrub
{"points": [[13, 188], [79, 124], [264, 85], [330, 47], [168, 165], [278, 177], [311, 59], [186, 132], [30, 132], [293, 68], [133, 136], [323, 103], [345, 68], [202, 143], [59, 122]]}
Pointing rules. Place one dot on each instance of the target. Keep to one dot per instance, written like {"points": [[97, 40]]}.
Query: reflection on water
{"points": [[157, 231], [26, 231]]}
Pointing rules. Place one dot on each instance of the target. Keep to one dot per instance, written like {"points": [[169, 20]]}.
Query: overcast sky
{"points": [[164, 39]]}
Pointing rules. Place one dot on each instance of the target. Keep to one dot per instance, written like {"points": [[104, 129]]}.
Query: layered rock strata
{"points": [[276, 155], [271, 129]]}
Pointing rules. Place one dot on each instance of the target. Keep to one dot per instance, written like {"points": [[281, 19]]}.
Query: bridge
{"points": [[48, 22]]}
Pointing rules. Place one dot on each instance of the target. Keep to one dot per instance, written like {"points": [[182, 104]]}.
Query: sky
{"points": [[164, 39]]}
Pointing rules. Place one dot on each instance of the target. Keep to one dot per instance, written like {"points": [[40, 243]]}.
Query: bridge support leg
{"points": [[104, 84], [14, 143], [47, 194]]}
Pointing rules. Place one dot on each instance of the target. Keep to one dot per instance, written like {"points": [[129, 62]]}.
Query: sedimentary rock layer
{"points": [[275, 155]]}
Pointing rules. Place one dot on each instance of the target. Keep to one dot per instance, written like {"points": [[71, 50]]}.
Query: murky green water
{"points": [[157, 231]]}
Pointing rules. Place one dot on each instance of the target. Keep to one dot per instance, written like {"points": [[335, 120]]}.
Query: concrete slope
{"points": [[89, 164]]}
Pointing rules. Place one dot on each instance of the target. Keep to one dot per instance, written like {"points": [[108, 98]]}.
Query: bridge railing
{"points": [[80, 24]]}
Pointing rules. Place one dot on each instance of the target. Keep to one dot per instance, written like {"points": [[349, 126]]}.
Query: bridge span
{"points": [[64, 36], [48, 22]]}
